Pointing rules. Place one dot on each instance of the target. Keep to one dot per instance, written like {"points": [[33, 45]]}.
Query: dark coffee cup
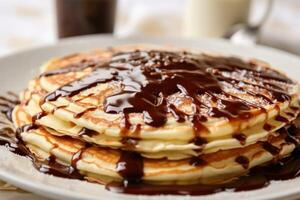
{"points": [[82, 17]]}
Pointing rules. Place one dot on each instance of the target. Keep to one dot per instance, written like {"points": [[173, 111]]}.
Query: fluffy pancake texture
{"points": [[182, 115]]}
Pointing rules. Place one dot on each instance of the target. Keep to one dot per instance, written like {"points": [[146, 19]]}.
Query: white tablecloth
{"points": [[32, 22]]}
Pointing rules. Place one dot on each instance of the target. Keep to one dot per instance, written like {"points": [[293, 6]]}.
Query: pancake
{"points": [[103, 122], [150, 147], [106, 127], [100, 162], [157, 115]]}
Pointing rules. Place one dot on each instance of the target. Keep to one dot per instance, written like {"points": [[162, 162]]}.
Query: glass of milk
{"points": [[213, 18]]}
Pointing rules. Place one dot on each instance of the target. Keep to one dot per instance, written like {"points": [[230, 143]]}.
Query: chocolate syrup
{"points": [[57, 108], [7, 104], [271, 148], [88, 132], [26, 128], [240, 137], [290, 114], [130, 166], [267, 127], [12, 144], [257, 177], [38, 116], [244, 183], [51, 166], [150, 77], [199, 141], [242, 160], [78, 155], [281, 119], [197, 161]]}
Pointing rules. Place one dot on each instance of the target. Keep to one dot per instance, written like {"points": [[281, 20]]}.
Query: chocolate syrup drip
{"points": [[99, 75], [242, 160], [290, 114], [78, 155], [271, 148], [131, 166], [294, 108], [38, 116], [51, 166], [88, 132], [26, 128], [240, 137], [293, 132], [197, 161], [8, 103], [13, 144], [9, 137], [281, 119], [199, 141], [283, 130], [148, 78], [267, 127]]}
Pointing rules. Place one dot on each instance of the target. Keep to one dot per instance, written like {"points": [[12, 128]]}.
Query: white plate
{"points": [[18, 68]]}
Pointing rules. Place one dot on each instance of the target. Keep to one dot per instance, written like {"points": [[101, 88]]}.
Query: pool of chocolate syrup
{"points": [[148, 79]]}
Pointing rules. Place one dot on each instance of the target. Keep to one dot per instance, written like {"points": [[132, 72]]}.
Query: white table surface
{"points": [[32, 22]]}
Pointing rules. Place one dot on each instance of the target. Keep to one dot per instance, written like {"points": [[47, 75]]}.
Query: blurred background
{"points": [[34, 22]]}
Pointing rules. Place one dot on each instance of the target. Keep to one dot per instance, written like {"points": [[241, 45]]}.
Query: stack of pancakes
{"points": [[156, 114]]}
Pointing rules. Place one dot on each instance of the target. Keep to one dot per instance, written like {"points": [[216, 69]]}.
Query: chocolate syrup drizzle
{"points": [[148, 78], [240, 137], [267, 127], [270, 148], [242, 160], [7, 104], [131, 166]]}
